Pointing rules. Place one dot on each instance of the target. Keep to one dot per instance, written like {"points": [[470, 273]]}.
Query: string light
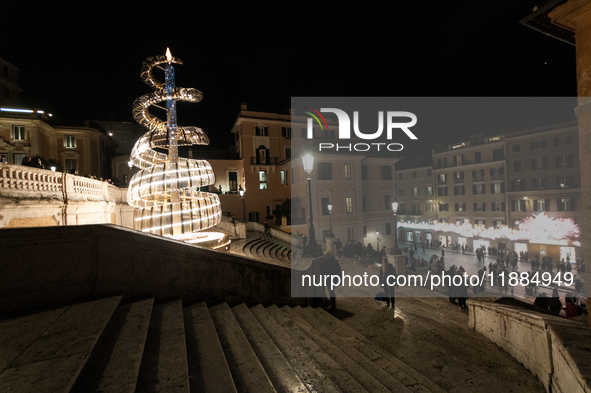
{"points": [[164, 191]]}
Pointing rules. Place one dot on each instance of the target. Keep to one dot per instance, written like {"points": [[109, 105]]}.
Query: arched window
{"points": [[262, 155]]}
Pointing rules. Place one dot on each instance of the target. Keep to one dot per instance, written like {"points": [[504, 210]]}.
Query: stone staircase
{"points": [[264, 248], [146, 346]]}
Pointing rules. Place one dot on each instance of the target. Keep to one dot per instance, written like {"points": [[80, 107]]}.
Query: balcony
{"points": [[459, 180], [414, 213], [269, 161]]}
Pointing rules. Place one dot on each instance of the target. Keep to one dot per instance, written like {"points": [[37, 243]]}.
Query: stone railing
{"points": [[32, 183], [276, 233]]}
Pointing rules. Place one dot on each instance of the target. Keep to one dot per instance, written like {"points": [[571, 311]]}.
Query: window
{"points": [[537, 145], [269, 215], [387, 204], [324, 171], [347, 168], [363, 172], [539, 163], [414, 174], [415, 191], [415, 210], [261, 131], [287, 153], [498, 206], [18, 133], [478, 175], [565, 140], [442, 163], [3, 158], [498, 154], [565, 204], [429, 190], [17, 158], [443, 207], [263, 185], [541, 205], [325, 203], [429, 206], [498, 223], [478, 189], [386, 172], [458, 177], [459, 160], [233, 182], [388, 228], [286, 132], [481, 223], [350, 234], [516, 166], [516, 148], [401, 192], [518, 185], [363, 204], [564, 181], [71, 165], [497, 173], [460, 207], [565, 160], [518, 205], [497, 188], [540, 183], [349, 205], [459, 190], [428, 172], [253, 217], [282, 177], [479, 207], [441, 191], [477, 157], [442, 178], [262, 155]]}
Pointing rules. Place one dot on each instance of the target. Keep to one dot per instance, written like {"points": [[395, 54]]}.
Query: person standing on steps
{"points": [[388, 271], [330, 267]]}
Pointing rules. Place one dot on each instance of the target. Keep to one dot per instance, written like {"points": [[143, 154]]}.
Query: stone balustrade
{"points": [[33, 183]]}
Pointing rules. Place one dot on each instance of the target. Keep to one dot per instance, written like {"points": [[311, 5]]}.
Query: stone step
{"points": [[350, 365], [308, 370], [164, 363], [237, 246], [247, 371], [332, 369], [208, 369], [280, 372], [248, 247], [51, 359], [366, 363], [408, 376], [116, 358]]}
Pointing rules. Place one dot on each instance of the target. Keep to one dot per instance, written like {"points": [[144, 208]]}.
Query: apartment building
{"points": [[470, 184]]}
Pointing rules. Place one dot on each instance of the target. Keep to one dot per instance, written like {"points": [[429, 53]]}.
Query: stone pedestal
{"points": [[398, 261]]}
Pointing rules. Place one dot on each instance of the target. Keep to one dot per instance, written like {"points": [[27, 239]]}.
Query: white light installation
{"points": [[536, 229], [165, 192]]}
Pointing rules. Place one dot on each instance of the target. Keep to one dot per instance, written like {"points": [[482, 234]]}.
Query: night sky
{"points": [[82, 61]]}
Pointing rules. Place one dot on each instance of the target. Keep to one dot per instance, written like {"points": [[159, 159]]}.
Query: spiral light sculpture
{"points": [[165, 192]]}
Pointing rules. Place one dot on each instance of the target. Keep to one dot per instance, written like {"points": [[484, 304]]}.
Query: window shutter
{"points": [[572, 204], [463, 161], [268, 157], [545, 163], [570, 160], [474, 189], [533, 164], [492, 188], [475, 206], [492, 172], [559, 205], [502, 188], [547, 203], [503, 206], [557, 161]]}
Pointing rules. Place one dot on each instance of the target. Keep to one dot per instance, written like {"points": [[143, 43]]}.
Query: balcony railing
{"points": [[268, 161], [26, 182]]}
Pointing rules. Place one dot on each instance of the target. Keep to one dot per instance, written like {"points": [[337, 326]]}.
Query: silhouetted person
{"points": [[330, 267]]}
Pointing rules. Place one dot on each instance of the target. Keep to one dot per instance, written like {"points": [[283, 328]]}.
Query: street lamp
{"points": [[311, 248], [395, 209], [330, 216], [241, 192], [378, 242]]}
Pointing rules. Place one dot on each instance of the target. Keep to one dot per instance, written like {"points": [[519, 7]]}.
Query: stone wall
{"points": [[554, 349], [45, 266]]}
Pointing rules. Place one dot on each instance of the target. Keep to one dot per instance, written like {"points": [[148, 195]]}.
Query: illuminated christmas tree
{"points": [[166, 191]]}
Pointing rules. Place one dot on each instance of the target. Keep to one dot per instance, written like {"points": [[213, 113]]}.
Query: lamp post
{"points": [[395, 209], [241, 192], [377, 241], [312, 248], [330, 217]]}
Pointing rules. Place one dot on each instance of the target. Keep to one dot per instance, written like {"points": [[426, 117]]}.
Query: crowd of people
{"points": [[38, 163]]}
